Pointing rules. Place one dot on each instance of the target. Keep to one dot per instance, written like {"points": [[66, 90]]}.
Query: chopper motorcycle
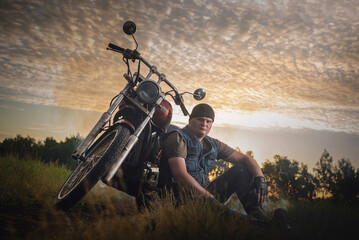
{"points": [[123, 148]]}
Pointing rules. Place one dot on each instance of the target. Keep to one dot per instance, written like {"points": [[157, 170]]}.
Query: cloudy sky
{"points": [[283, 75]]}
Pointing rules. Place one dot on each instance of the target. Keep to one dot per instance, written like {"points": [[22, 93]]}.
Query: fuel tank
{"points": [[163, 115]]}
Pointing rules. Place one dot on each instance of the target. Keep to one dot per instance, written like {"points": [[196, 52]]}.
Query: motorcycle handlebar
{"points": [[135, 55], [184, 110], [179, 101], [115, 47]]}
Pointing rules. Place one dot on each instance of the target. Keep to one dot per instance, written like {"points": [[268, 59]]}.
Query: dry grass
{"points": [[27, 190]]}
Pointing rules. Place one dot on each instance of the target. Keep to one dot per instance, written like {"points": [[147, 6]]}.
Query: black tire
{"points": [[98, 160]]}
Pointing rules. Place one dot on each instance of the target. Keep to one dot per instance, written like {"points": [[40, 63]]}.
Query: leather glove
{"points": [[260, 188]]}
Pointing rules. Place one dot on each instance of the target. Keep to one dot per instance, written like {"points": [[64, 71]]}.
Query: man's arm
{"points": [[183, 179], [252, 165]]}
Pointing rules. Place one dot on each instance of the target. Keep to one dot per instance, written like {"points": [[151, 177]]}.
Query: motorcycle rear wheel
{"points": [[98, 160]]}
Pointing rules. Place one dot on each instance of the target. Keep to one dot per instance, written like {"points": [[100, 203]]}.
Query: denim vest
{"points": [[197, 164]]}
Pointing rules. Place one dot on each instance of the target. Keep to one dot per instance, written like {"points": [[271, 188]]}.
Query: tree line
{"points": [[290, 179], [286, 178], [48, 151]]}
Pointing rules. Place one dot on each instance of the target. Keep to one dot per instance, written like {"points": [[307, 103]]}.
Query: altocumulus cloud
{"points": [[295, 58]]}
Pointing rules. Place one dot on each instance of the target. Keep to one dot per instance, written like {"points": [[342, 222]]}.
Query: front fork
{"points": [[106, 116], [130, 143]]}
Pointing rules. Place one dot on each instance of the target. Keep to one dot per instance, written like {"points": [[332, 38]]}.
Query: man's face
{"points": [[200, 126]]}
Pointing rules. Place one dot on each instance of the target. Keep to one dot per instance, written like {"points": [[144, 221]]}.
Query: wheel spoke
{"points": [[85, 167]]}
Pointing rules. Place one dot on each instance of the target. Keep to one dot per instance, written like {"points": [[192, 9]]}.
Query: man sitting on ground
{"points": [[188, 155]]}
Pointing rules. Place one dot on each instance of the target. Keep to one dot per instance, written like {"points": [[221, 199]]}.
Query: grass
{"points": [[28, 187], [324, 220], [28, 182]]}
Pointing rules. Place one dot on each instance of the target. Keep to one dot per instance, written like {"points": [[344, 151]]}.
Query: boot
{"points": [[258, 215]]}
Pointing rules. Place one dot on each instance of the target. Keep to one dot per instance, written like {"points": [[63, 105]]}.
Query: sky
{"points": [[282, 75]]}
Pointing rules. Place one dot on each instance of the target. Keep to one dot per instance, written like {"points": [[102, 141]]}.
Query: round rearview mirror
{"points": [[129, 28], [199, 94]]}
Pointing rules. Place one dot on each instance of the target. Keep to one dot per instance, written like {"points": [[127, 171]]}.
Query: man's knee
{"points": [[241, 169]]}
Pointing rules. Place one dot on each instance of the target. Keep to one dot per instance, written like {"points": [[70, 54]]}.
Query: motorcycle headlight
{"points": [[148, 91]]}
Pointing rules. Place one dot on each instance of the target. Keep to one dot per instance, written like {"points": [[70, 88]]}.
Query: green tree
{"points": [[346, 182], [67, 148], [48, 151], [340, 181], [324, 172], [20, 147], [306, 183], [287, 179]]}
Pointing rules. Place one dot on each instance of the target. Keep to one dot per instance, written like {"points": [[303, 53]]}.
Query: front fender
{"points": [[128, 123], [129, 116]]}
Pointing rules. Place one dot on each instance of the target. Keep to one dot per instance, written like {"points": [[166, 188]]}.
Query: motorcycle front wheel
{"points": [[98, 160]]}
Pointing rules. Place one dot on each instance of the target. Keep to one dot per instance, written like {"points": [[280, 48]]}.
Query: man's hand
{"points": [[259, 184], [260, 188]]}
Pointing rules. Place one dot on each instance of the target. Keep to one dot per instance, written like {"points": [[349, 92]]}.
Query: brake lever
{"points": [[131, 54]]}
